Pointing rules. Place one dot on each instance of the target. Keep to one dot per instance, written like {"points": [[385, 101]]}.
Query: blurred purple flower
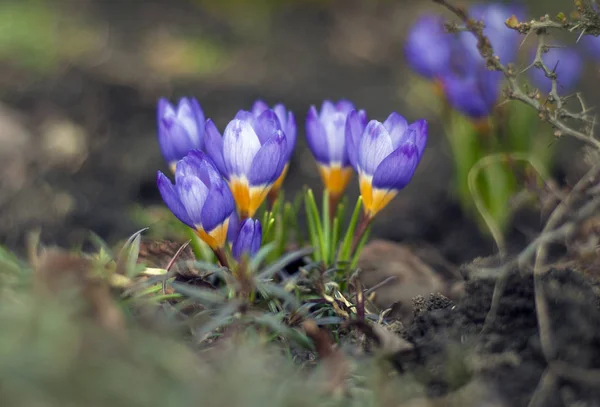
{"points": [[180, 129], [474, 94], [567, 65], [248, 240], [504, 40], [251, 155], [200, 197], [427, 49], [388, 155], [326, 137]]}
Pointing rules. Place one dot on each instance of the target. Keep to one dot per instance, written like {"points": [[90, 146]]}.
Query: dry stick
{"points": [[554, 118], [514, 90], [540, 258]]}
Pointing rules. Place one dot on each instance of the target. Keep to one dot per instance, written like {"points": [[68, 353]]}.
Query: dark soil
{"points": [[507, 355]]}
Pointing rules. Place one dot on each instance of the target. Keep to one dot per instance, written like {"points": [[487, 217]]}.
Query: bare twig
{"points": [[552, 110]]}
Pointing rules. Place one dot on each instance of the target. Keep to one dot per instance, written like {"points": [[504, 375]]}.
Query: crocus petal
{"points": [[290, 134], [355, 126], [316, 137], [171, 199], [397, 169], [344, 106], [427, 49], [282, 115], [240, 145], [422, 131], [335, 129], [248, 240], [266, 125], [213, 145], [327, 109], [218, 207], [396, 126], [188, 115], [375, 144], [258, 107], [174, 139], [269, 161], [197, 164], [244, 115], [471, 94], [234, 227], [164, 108], [192, 193]]}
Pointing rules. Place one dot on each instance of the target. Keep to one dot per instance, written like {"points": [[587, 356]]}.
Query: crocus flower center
{"points": [[335, 177], [215, 238], [374, 199], [248, 198]]}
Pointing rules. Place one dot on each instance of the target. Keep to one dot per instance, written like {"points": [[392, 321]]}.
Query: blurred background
{"points": [[79, 82]]}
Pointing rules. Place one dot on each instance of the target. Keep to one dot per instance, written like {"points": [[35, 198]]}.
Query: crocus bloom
{"points": [[180, 129], [248, 239], [326, 136], [567, 65], [473, 93], [387, 157], [251, 155], [287, 122], [200, 198], [427, 49], [504, 40]]}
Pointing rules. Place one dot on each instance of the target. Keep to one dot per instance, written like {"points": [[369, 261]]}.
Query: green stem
{"points": [[360, 230], [221, 256]]}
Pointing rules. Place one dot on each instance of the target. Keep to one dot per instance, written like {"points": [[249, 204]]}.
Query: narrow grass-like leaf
{"points": [[100, 244], [335, 236], [326, 228], [202, 294], [262, 254], [270, 271], [128, 256], [268, 290], [347, 243], [312, 229], [274, 322], [311, 206], [221, 319]]}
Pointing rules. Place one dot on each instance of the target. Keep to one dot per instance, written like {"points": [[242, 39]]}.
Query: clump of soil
{"points": [[455, 348]]}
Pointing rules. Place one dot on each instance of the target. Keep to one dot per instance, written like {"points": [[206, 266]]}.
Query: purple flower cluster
{"points": [[221, 180], [454, 60]]}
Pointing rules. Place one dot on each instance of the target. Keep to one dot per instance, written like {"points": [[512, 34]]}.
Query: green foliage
{"points": [[513, 129]]}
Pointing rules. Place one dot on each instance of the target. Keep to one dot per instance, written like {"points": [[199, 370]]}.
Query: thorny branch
{"points": [[553, 109], [556, 228]]}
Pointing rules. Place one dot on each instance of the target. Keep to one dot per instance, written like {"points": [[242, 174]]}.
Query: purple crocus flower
{"points": [[326, 137], [427, 49], [180, 129], [200, 197], [287, 122], [503, 39], [248, 240], [473, 93], [567, 64], [251, 155], [387, 156]]}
